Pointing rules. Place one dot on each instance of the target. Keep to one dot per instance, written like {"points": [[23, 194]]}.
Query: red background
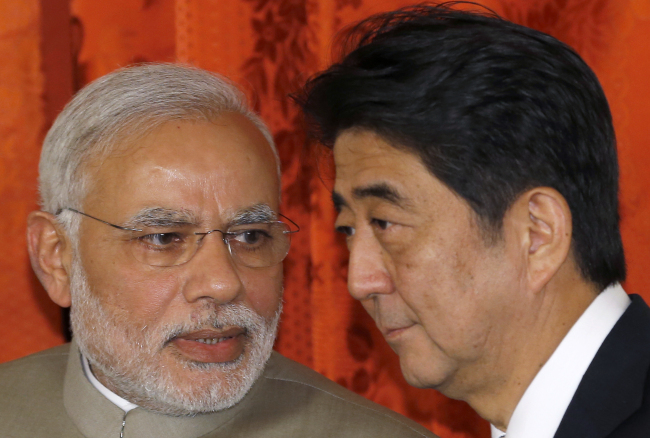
{"points": [[50, 48]]}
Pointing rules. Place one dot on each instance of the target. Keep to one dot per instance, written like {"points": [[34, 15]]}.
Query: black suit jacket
{"points": [[613, 398]]}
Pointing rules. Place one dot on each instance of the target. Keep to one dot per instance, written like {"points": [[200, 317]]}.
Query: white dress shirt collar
{"points": [[125, 405], [539, 412]]}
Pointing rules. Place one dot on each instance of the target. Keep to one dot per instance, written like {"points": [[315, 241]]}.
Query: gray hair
{"points": [[124, 104]]}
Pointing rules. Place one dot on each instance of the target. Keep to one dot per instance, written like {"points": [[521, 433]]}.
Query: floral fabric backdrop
{"points": [[51, 48]]}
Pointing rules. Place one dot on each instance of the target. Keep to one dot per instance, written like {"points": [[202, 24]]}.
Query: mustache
{"points": [[220, 317]]}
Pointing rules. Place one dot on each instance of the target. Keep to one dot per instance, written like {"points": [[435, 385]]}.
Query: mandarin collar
{"points": [[97, 417]]}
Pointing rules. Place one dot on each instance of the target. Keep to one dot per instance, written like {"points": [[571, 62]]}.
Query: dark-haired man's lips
{"points": [[394, 333], [212, 346]]}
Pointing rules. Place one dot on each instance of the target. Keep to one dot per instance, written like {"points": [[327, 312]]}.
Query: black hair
{"points": [[492, 108]]}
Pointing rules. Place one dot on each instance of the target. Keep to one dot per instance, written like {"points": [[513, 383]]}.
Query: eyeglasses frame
{"points": [[203, 233]]}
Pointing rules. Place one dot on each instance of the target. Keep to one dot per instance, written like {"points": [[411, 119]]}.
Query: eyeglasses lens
{"points": [[255, 245]]}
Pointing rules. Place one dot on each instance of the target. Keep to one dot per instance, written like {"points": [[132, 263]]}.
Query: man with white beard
{"points": [[160, 229]]}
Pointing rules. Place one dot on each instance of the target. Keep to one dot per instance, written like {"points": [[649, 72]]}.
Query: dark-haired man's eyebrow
{"points": [[382, 191], [255, 214], [162, 218], [338, 201]]}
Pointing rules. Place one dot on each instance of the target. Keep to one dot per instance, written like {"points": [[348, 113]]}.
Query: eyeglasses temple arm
{"points": [[295, 224], [97, 219]]}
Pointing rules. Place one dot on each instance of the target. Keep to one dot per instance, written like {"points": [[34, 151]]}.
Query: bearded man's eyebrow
{"points": [[254, 214], [162, 218]]}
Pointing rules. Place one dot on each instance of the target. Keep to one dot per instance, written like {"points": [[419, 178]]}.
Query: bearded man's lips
{"points": [[211, 346]]}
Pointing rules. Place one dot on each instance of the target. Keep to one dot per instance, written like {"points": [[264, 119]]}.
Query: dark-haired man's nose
{"points": [[367, 273]]}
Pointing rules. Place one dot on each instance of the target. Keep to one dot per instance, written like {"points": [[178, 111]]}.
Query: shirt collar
{"points": [[539, 412], [121, 403]]}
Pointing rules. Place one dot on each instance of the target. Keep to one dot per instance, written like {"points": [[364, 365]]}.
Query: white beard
{"points": [[137, 367]]}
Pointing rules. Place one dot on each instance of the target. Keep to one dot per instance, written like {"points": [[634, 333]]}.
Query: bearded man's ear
{"points": [[50, 254]]}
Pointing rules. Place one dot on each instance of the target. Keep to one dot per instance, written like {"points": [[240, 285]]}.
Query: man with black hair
{"points": [[477, 185]]}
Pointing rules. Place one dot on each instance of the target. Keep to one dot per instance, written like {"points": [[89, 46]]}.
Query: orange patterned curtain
{"points": [[269, 47]]}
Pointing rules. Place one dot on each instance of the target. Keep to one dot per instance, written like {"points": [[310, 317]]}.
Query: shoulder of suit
{"points": [[31, 395], [298, 387], [34, 373]]}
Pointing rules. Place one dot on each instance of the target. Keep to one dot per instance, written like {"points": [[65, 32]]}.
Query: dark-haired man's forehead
{"points": [[369, 168]]}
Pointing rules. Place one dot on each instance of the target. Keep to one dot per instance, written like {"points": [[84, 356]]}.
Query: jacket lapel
{"points": [[613, 387]]}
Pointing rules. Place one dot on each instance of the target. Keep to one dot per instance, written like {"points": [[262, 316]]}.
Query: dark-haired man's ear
{"points": [[543, 220], [50, 255]]}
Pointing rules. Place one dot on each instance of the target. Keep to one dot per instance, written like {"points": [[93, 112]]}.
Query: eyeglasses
{"points": [[255, 245]]}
